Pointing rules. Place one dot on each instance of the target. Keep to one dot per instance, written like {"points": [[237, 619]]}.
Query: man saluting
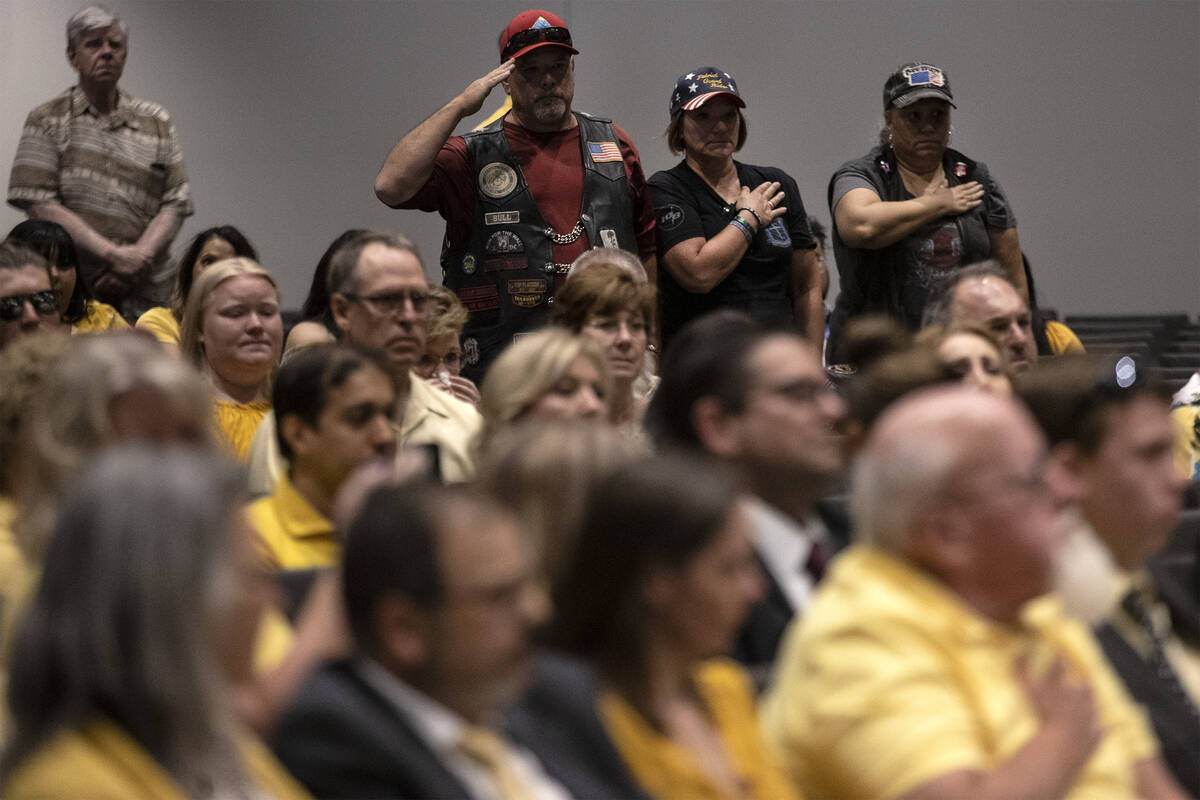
{"points": [[523, 197]]}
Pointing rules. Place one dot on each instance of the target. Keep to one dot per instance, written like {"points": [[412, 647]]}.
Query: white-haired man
{"points": [[930, 665], [108, 168]]}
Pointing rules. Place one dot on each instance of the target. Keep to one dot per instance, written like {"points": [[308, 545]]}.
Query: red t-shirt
{"points": [[553, 167]]}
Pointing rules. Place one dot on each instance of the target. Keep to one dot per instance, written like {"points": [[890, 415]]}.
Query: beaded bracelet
{"points": [[754, 213], [744, 227]]}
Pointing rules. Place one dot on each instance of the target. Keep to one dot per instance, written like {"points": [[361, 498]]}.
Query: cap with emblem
{"points": [[532, 29], [701, 85], [915, 81]]}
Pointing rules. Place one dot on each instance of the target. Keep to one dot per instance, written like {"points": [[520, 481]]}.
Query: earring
{"points": [[889, 135]]}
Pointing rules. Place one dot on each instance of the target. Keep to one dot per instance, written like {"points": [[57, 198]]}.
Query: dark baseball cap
{"points": [[915, 81], [701, 85], [532, 29]]}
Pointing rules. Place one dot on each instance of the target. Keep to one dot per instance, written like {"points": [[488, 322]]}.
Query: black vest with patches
{"points": [[504, 274], [871, 280]]}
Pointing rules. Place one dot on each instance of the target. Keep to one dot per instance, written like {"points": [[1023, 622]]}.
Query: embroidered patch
{"points": [[497, 179], [960, 169], [777, 234], [504, 263], [479, 298], [527, 300], [669, 217], [468, 264], [604, 151], [924, 75], [527, 286], [502, 218], [502, 242], [470, 350]]}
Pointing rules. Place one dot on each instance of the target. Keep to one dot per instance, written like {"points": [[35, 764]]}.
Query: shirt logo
{"points": [[670, 217]]}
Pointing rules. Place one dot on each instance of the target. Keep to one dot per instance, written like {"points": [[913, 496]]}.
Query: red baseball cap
{"points": [[532, 29]]}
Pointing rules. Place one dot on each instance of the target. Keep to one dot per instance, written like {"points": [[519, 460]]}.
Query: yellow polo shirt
{"points": [[889, 680], [98, 318], [430, 416], [162, 323], [99, 761], [666, 770], [293, 534]]}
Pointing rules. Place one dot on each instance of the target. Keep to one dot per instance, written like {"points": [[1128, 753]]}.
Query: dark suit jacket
{"points": [[1176, 574], [758, 641], [341, 739]]}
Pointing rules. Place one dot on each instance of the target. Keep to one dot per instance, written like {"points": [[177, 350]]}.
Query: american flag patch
{"points": [[604, 151]]}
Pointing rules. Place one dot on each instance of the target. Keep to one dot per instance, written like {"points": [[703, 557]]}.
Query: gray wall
{"points": [[1087, 112]]}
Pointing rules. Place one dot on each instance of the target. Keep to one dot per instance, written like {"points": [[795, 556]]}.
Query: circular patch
{"points": [[497, 179], [669, 216], [468, 264]]}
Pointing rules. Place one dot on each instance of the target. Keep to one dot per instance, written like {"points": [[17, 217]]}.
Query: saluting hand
{"points": [[471, 99], [955, 199]]}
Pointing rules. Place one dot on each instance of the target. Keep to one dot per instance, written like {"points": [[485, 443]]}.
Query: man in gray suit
{"points": [[442, 603]]}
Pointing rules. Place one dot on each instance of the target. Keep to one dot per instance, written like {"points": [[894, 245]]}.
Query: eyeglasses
{"points": [[391, 302], [44, 303], [522, 39]]}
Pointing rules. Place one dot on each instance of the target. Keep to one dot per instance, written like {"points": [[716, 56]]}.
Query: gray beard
{"points": [[550, 110]]}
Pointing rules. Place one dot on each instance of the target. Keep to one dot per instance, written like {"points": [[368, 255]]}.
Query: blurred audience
{"points": [[442, 601], [924, 668], [27, 301], [606, 304], [75, 305], [758, 401], [971, 353], [543, 469], [123, 662], [335, 408], [206, 248], [549, 374], [1108, 424], [316, 325], [233, 333], [379, 298], [443, 360], [981, 294], [652, 597]]}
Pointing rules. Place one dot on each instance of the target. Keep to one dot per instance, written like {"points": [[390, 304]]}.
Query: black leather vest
{"points": [[871, 280], [505, 273]]}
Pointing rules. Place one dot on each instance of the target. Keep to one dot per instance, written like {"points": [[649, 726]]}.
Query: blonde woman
{"points": [[550, 374], [232, 331]]}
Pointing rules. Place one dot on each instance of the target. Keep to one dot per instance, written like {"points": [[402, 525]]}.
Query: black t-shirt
{"points": [[686, 208]]}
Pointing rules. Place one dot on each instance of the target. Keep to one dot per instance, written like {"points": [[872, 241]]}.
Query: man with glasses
{"points": [[759, 402], [378, 295], [27, 303], [524, 196], [932, 662]]}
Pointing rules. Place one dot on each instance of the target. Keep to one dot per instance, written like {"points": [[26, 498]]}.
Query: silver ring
{"points": [[770, 205]]}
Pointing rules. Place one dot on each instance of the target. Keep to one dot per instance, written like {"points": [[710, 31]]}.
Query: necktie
{"points": [[1135, 605], [490, 752], [817, 560]]}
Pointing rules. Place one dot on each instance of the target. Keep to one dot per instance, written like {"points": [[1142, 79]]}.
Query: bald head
{"points": [[992, 302], [953, 480]]}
